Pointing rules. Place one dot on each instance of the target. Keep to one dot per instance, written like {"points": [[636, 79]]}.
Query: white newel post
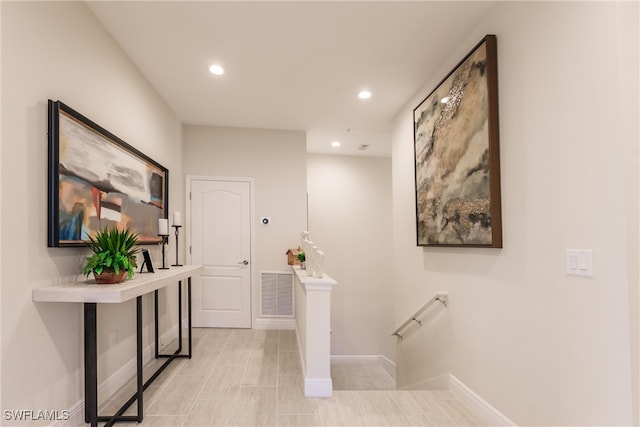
{"points": [[313, 324]]}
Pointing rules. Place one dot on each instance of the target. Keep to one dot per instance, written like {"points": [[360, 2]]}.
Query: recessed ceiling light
{"points": [[217, 70], [336, 144], [364, 94]]}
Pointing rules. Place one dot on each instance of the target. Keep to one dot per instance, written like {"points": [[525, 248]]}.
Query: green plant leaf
{"points": [[112, 249]]}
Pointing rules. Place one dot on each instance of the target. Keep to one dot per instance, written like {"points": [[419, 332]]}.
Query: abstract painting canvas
{"points": [[457, 161], [96, 180]]}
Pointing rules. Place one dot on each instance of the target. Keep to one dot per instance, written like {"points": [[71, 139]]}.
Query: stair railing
{"points": [[441, 297]]}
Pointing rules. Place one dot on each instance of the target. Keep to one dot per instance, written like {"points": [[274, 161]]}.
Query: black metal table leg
{"points": [[178, 353], [155, 318], [90, 364], [139, 357], [179, 316], [189, 311]]}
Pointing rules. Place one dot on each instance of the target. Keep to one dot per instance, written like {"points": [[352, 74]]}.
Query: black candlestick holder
{"points": [[164, 237], [177, 227]]}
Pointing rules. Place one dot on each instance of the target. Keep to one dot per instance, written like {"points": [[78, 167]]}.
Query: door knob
{"points": [[244, 262]]}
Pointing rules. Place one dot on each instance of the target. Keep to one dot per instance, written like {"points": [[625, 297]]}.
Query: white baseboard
{"points": [[476, 404], [118, 379], [487, 413], [389, 366], [288, 324], [318, 387]]}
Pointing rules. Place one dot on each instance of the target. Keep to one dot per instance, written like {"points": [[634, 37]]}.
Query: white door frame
{"points": [[252, 264]]}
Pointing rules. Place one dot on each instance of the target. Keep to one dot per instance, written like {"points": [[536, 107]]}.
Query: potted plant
{"points": [[302, 258], [114, 255]]}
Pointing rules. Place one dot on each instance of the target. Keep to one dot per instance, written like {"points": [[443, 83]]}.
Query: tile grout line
{"points": [[195, 401], [278, 380]]}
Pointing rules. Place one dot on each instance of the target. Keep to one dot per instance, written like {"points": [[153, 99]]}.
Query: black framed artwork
{"points": [[97, 180], [457, 155]]}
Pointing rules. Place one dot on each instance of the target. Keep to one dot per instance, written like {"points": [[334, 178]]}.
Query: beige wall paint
{"points": [[350, 220], [277, 162], [543, 347], [1, 406], [58, 50]]}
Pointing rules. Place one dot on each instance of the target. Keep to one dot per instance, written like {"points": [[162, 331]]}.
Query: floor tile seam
{"points": [[194, 375], [462, 414], [444, 414], [161, 388], [160, 392], [439, 409], [460, 405], [386, 393], [361, 410], [244, 371], [204, 383], [193, 403], [437, 402], [277, 409], [407, 415], [258, 386]]}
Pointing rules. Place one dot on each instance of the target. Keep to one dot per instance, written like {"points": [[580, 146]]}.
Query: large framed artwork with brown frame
{"points": [[96, 180], [457, 155]]}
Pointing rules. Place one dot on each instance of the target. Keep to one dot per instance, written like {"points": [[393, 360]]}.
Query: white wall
{"points": [[276, 161], [350, 220], [58, 50], [543, 347], [1, 406]]}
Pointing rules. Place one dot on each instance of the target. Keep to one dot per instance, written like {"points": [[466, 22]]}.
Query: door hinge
{"points": [[189, 195], [189, 250]]}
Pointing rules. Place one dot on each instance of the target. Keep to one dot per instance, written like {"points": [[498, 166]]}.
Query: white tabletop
{"points": [[89, 291]]}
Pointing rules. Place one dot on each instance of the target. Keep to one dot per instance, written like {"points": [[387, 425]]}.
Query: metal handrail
{"points": [[442, 297]]}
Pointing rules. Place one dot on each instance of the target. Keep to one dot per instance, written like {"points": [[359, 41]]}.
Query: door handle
{"points": [[244, 262]]}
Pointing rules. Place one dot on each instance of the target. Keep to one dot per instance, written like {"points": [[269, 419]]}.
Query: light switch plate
{"points": [[580, 262]]}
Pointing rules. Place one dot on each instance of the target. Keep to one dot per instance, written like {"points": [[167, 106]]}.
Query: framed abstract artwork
{"points": [[97, 180], [457, 155]]}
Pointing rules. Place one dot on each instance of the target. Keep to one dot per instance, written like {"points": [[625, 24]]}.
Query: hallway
{"points": [[245, 377]]}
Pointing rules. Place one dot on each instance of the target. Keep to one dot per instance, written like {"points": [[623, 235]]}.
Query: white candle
{"points": [[163, 227], [176, 218]]}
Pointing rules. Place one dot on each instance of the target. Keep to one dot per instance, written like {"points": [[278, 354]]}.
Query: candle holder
{"points": [[177, 227], [164, 237]]}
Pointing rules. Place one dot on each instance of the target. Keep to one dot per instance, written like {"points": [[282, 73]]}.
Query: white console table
{"points": [[313, 325], [91, 294]]}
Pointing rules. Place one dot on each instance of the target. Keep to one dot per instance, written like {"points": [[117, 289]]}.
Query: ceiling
{"points": [[292, 65]]}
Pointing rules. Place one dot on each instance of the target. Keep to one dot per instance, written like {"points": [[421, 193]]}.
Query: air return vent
{"points": [[277, 293]]}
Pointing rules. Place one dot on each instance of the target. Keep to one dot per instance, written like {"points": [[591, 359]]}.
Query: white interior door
{"points": [[220, 212]]}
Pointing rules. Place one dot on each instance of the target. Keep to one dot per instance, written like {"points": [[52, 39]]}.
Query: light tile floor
{"points": [[244, 377], [360, 376]]}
